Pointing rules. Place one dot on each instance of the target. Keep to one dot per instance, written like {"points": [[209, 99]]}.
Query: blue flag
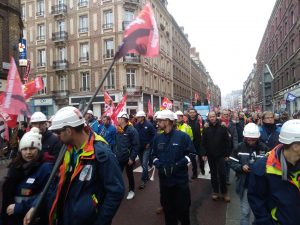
{"points": [[290, 97]]}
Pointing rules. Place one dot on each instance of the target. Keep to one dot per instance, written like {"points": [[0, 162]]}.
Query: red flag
{"points": [[166, 104], [27, 70], [118, 109], [14, 102], [141, 36], [4, 133], [33, 87], [208, 94], [150, 108], [108, 105]]}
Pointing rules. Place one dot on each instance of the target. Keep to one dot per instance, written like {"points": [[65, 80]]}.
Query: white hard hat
{"points": [[290, 132], [251, 130], [175, 116], [156, 114], [179, 113], [38, 117], [140, 114], [123, 114], [90, 112], [166, 114], [67, 116]]}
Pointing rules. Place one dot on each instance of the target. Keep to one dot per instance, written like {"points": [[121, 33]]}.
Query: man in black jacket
{"points": [[215, 147]]}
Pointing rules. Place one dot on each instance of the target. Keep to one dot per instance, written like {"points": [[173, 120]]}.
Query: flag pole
{"points": [[63, 151]]}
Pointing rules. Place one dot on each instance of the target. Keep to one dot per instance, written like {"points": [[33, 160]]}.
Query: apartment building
{"points": [[71, 44]]}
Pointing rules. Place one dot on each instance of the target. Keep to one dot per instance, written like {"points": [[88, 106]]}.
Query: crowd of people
{"points": [[263, 149]]}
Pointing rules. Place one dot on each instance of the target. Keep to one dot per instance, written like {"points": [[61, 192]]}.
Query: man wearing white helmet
{"points": [[127, 148], [241, 162], [89, 186], [91, 121], [146, 134], [171, 153], [51, 145], [274, 182]]}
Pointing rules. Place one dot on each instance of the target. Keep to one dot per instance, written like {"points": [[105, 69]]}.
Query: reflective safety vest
{"points": [[186, 129]]}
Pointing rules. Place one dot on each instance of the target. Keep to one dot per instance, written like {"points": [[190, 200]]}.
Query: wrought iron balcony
{"points": [[41, 64], [85, 89], [83, 29], [40, 38], [60, 64], [133, 1], [60, 36], [132, 59], [133, 90], [59, 9], [109, 87], [107, 26], [83, 59], [40, 13]]}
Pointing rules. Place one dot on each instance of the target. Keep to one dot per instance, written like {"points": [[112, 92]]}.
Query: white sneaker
{"points": [[130, 195]]}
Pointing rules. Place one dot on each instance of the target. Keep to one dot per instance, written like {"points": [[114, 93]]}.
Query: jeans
{"points": [[176, 203], [218, 174], [129, 172], [245, 209], [144, 159]]}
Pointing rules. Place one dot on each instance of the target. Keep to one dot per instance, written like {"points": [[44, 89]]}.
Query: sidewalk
{"points": [[233, 208]]}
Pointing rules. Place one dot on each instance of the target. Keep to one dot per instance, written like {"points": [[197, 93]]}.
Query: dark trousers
{"points": [[194, 164], [129, 173], [176, 203], [218, 174]]}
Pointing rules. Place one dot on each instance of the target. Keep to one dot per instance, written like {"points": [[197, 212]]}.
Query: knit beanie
{"points": [[31, 139]]}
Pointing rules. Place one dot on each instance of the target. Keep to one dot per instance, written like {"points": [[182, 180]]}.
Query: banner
{"points": [[166, 104], [26, 75], [33, 87], [150, 109], [290, 97], [108, 105], [13, 100], [118, 109], [141, 36], [22, 52]]}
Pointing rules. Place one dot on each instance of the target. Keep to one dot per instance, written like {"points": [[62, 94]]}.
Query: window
{"points": [[41, 58], [128, 17], [44, 90], [84, 52], [41, 31], [60, 25], [107, 19], [23, 11], [82, 3], [130, 77], [40, 8], [293, 48], [109, 48], [85, 81], [83, 24], [110, 80], [61, 54], [63, 83], [292, 18]]}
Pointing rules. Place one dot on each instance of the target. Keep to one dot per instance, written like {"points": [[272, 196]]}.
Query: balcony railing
{"points": [[125, 24], [82, 3], [133, 90], [132, 1], [60, 64], [109, 87], [59, 9], [60, 36], [109, 55], [40, 13], [86, 89], [107, 26], [60, 94], [132, 59], [83, 59], [40, 38], [83, 29], [41, 64]]}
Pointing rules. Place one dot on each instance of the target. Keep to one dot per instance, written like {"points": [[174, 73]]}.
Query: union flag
{"points": [[141, 36]]}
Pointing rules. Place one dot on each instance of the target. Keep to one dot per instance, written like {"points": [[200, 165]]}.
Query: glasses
{"points": [[59, 131]]}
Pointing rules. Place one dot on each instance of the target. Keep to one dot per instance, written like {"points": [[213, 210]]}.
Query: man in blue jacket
{"points": [[274, 182], [172, 150], [146, 134], [89, 186], [108, 131], [91, 121], [127, 147]]}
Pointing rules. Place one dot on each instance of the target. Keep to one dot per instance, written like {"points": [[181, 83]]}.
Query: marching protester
{"points": [[195, 123], [108, 131], [185, 128], [241, 162], [26, 178], [91, 121], [171, 153], [274, 185], [89, 186], [215, 147], [127, 148], [51, 145], [146, 134], [269, 132], [240, 124]]}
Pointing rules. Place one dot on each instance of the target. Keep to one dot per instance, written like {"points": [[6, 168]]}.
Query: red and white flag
{"points": [[33, 87], [150, 108], [13, 101], [166, 104], [108, 105], [141, 36], [120, 107]]}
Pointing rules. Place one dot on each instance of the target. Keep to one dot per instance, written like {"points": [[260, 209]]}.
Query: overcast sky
{"points": [[227, 35]]}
